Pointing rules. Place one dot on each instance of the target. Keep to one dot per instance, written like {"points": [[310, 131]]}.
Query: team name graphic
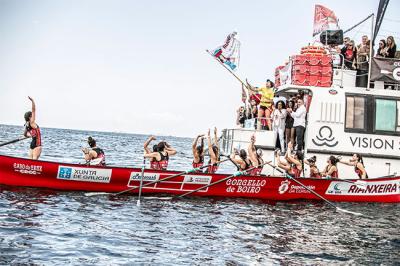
{"points": [[28, 169], [194, 179], [245, 186], [84, 174], [287, 187], [372, 188]]}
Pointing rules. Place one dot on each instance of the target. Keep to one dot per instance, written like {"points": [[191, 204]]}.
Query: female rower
{"points": [[161, 157], [314, 172], [358, 163], [331, 170], [255, 157], [294, 165], [266, 102], [198, 152], [213, 150], [32, 130], [240, 159], [153, 161], [94, 155]]}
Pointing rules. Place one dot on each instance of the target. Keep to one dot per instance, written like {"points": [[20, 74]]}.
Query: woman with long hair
{"points": [[94, 155], [289, 129], [331, 170], [358, 163], [390, 47], [32, 130], [213, 150], [314, 171], [241, 159], [160, 157], [255, 156], [381, 49], [198, 152], [294, 164], [278, 124]]}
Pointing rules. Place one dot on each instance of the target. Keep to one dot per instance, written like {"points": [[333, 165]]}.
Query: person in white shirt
{"points": [[299, 123], [278, 123]]}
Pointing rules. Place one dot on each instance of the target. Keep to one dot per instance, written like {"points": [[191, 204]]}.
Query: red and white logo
{"points": [[284, 187]]}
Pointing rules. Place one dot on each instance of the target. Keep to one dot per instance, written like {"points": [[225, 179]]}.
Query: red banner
{"points": [[323, 18]]}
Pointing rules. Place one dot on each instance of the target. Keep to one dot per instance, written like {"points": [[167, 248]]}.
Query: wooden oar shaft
{"points": [[239, 173], [169, 177], [13, 141]]}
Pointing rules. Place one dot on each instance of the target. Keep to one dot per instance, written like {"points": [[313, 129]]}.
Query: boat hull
{"points": [[74, 177]]}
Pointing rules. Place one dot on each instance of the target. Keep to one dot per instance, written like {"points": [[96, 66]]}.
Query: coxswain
{"points": [[94, 155], [161, 156], [213, 150], [294, 162], [311, 162], [198, 152], [240, 159], [358, 163], [331, 170], [32, 130], [266, 102], [255, 156]]}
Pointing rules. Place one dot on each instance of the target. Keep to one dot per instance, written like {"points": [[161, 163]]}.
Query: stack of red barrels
{"points": [[313, 67]]}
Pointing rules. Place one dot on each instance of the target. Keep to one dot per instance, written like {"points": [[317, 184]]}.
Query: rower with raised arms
{"points": [[198, 152], [32, 130], [358, 163], [94, 155], [294, 162], [213, 150], [255, 156], [161, 156]]}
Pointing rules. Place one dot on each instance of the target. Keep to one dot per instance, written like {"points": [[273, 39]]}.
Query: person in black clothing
{"points": [[390, 48], [382, 48], [94, 155]]}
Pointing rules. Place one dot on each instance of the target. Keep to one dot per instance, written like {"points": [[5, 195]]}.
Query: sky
{"points": [[141, 66]]}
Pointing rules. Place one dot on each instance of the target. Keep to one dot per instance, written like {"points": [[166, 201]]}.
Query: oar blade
{"points": [[349, 212], [361, 184], [92, 194]]}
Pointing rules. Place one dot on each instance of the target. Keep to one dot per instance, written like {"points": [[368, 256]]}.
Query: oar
{"points": [[154, 182], [313, 192], [141, 181], [13, 141], [238, 173]]}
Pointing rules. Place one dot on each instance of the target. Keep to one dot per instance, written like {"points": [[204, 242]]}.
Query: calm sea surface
{"points": [[44, 227]]}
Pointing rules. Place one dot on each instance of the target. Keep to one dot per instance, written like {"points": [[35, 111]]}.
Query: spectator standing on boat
{"points": [[213, 150], [240, 159], [278, 124], [358, 163], [350, 55], [255, 156], [331, 170], [289, 129], [198, 152], [32, 130], [390, 47], [240, 116], [294, 164], [314, 172], [381, 49], [299, 123], [363, 54], [266, 102], [94, 155], [160, 158]]}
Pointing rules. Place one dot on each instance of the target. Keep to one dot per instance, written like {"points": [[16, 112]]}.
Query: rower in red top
{"points": [[314, 172], [358, 163], [94, 155], [294, 162], [255, 156], [331, 170], [198, 152], [161, 156], [213, 150], [32, 130], [153, 161]]}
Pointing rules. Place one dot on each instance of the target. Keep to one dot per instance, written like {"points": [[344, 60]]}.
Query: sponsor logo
{"points": [[333, 92], [137, 176], [195, 179], [396, 73], [325, 138], [84, 174], [28, 169], [252, 186], [284, 187], [371, 188]]}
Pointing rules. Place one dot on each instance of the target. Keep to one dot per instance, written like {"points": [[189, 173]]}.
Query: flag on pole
{"points": [[229, 52], [324, 19]]}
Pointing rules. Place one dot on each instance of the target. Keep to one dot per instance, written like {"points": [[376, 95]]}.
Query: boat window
{"points": [[386, 112], [355, 112]]}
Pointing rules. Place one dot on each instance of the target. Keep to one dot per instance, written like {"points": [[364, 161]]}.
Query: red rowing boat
{"points": [[74, 177]]}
